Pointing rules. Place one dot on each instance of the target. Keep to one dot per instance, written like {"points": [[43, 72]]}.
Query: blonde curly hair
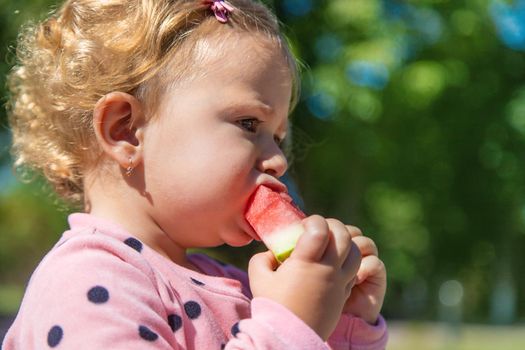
{"points": [[88, 48]]}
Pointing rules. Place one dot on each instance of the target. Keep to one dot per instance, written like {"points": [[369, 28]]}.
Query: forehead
{"points": [[234, 67], [234, 56]]}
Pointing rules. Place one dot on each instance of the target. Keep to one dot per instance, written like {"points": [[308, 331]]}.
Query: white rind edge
{"points": [[283, 239]]}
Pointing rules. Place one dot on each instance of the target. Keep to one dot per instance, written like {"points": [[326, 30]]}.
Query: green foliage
{"points": [[430, 164], [428, 160], [30, 223]]}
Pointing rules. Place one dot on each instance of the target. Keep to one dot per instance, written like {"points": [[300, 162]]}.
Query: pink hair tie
{"points": [[220, 8]]}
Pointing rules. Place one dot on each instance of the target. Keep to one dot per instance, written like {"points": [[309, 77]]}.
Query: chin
{"points": [[240, 239]]}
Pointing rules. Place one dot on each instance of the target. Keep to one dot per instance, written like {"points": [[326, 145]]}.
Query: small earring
{"points": [[129, 169]]}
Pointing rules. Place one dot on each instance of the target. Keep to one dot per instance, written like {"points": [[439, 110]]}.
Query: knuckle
{"points": [[381, 265], [366, 245], [316, 225], [373, 248], [370, 242], [354, 230], [334, 222], [344, 240], [315, 218], [377, 264]]}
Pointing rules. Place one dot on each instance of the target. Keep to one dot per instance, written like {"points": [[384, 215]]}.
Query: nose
{"points": [[273, 162]]}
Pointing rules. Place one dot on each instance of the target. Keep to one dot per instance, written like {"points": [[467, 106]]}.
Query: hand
{"points": [[369, 291], [316, 280]]}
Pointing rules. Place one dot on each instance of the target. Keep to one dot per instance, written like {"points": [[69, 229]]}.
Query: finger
{"points": [[262, 263], [340, 243], [352, 262], [372, 269], [366, 245], [354, 231], [313, 242], [349, 286]]}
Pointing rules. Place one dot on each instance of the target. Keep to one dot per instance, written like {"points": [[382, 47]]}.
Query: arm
{"points": [[273, 326], [356, 334]]}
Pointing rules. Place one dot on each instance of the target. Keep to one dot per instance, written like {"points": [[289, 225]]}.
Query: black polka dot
{"points": [[197, 282], [147, 334], [134, 243], [223, 346], [175, 322], [193, 309], [98, 295], [235, 329], [54, 336]]}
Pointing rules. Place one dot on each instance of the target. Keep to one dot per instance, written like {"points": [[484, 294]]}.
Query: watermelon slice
{"points": [[276, 220]]}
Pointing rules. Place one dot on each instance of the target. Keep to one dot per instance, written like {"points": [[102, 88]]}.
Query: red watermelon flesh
{"points": [[276, 220]]}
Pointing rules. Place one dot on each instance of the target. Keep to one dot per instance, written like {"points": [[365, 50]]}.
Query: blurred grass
{"points": [[438, 336]]}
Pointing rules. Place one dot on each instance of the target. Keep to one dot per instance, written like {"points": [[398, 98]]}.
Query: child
{"points": [[161, 118]]}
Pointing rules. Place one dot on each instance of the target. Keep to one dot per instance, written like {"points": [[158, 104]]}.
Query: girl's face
{"points": [[216, 137]]}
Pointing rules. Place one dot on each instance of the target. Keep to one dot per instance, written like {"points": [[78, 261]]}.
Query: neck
{"points": [[127, 208]]}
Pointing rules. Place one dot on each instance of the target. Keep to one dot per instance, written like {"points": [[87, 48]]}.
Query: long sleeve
{"points": [[101, 288], [272, 326], [353, 333]]}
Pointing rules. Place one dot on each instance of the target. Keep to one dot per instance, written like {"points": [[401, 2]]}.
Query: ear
{"points": [[118, 122]]}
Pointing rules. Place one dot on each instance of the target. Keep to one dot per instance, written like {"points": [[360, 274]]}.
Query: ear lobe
{"points": [[117, 121]]}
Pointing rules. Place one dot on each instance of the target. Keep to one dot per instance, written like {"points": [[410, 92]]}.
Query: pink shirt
{"points": [[101, 288]]}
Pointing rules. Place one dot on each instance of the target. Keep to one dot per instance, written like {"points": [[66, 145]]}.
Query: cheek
{"points": [[219, 157], [201, 160], [199, 169]]}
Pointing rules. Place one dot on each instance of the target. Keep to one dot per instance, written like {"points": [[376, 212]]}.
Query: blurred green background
{"points": [[411, 126]]}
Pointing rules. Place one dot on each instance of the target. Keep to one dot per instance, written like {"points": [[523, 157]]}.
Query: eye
{"points": [[279, 141], [249, 124]]}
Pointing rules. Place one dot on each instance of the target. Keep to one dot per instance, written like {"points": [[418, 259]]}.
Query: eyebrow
{"points": [[259, 106]]}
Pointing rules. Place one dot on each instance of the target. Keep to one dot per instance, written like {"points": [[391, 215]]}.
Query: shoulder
{"points": [[88, 278], [213, 267], [89, 268], [88, 252]]}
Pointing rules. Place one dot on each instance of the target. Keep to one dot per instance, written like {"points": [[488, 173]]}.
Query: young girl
{"points": [[161, 118]]}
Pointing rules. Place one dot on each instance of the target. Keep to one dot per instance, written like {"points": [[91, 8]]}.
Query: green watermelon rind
{"points": [[282, 242], [282, 256]]}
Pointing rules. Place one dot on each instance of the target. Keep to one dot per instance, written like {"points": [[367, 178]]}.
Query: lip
{"points": [[275, 185], [250, 231], [278, 187]]}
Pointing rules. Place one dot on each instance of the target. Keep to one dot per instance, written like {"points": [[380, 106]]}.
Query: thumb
{"points": [[313, 242], [262, 263]]}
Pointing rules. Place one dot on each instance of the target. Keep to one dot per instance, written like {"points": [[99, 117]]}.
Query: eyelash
{"points": [[279, 141], [251, 125]]}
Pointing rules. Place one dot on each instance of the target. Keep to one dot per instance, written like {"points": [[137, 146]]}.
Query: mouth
{"points": [[250, 231], [275, 186], [280, 188]]}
